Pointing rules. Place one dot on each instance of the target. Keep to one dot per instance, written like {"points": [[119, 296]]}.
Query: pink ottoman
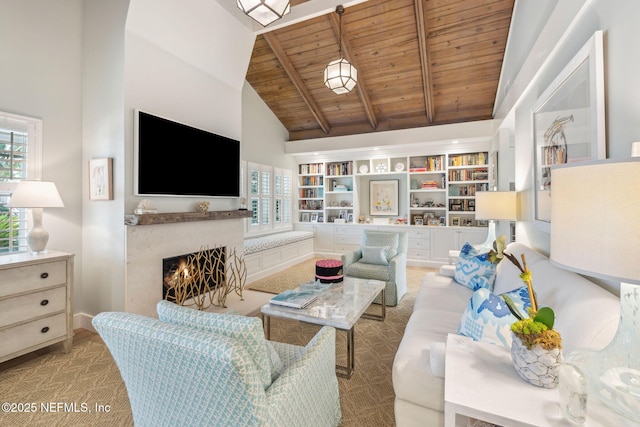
{"points": [[329, 270]]}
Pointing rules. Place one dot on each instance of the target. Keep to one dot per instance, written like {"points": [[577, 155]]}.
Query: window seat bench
{"points": [[266, 255]]}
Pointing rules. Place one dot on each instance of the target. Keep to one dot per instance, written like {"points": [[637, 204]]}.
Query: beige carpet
{"points": [[87, 376]]}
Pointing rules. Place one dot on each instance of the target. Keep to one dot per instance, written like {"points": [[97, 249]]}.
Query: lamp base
{"points": [[38, 237], [491, 236]]}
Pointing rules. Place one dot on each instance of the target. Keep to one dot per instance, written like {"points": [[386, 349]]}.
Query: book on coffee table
{"points": [[294, 298]]}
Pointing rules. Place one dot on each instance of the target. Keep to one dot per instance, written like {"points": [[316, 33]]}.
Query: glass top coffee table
{"points": [[340, 306]]}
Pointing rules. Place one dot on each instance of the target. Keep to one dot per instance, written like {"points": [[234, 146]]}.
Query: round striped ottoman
{"points": [[329, 270]]}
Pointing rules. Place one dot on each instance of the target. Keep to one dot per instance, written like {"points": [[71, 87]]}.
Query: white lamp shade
{"points": [[340, 76], [264, 11], [36, 194], [595, 211], [496, 205]]}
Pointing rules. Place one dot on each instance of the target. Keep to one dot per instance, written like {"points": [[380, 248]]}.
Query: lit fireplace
{"points": [[192, 274]]}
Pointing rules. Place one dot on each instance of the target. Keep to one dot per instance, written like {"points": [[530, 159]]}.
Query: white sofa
{"points": [[586, 316]]}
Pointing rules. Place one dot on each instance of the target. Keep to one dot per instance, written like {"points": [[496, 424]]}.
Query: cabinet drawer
{"points": [[417, 234], [19, 309], [32, 277], [32, 333], [347, 239], [421, 254], [419, 244]]}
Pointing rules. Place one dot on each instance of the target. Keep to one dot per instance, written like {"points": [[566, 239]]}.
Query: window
{"points": [[282, 197], [19, 159], [269, 197]]}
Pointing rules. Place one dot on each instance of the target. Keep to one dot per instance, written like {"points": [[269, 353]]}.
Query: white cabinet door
{"points": [[323, 239], [443, 239]]}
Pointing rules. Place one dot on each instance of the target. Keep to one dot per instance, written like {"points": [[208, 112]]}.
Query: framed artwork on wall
{"points": [[568, 122], [101, 179], [383, 197]]}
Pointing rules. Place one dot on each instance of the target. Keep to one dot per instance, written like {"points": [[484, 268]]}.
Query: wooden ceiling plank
{"points": [[297, 81], [361, 86], [424, 60]]}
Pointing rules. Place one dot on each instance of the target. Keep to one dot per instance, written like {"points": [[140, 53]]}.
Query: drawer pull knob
{"points": [[44, 330], [44, 302], [44, 275]]}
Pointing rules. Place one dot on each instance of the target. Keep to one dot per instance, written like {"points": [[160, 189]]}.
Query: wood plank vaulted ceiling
{"points": [[420, 63]]}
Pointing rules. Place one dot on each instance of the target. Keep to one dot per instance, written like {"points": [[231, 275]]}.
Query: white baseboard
{"points": [[83, 321]]}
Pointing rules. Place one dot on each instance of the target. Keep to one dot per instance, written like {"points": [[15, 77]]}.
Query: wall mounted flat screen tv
{"points": [[174, 159]]}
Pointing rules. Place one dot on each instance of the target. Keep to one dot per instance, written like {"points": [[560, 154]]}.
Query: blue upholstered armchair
{"points": [[193, 368], [382, 256]]}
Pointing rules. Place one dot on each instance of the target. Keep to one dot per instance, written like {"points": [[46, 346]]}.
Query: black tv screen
{"points": [[174, 159]]}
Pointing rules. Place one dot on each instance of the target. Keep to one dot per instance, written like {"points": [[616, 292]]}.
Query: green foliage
{"points": [[545, 316]]}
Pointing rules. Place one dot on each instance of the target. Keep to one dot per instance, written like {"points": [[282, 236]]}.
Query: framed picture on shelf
{"points": [[305, 217], [455, 221], [343, 214], [433, 221], [350, 217], [100, 179], [417, 220], [314, 217], [320, 218], [568, 122], [383, 197]]}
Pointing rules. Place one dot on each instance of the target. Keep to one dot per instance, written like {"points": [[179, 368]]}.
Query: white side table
{"points": [[480, 382]]}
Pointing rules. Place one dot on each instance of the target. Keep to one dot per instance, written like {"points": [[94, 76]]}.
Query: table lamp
{"points": [[605, 247], [36, 195], [495, 205]]}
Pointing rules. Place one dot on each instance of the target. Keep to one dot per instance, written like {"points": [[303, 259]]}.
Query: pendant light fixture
{"points": [[264, 11], [340, 76]]}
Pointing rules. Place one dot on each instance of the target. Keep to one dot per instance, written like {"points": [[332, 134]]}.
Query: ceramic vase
{"points": [[537, 365]]}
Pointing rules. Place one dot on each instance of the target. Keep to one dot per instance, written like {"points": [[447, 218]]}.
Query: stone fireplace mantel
{"points": [[174, 217]]}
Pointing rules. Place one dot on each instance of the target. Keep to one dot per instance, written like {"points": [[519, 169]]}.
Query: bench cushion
{"points": [[262, 243]]}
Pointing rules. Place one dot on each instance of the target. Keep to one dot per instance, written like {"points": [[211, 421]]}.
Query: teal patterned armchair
{"points": [[382, 256], [192, 368]]}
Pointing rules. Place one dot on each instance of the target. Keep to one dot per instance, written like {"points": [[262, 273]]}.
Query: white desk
{"points": [[480, 382]]}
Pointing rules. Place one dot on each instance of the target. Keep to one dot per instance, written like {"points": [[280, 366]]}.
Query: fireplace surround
{"points": [[148, 245]]}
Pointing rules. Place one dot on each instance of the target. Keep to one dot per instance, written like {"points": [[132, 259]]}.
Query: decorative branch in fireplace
{"points": [[204, 278]]}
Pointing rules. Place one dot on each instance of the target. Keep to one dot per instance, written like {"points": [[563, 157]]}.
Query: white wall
{"points": [[40, 75], [262, 133], [570, 25], [103, 136]]}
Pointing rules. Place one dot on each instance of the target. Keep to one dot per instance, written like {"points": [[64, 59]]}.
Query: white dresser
{"points": [[35, 302]]}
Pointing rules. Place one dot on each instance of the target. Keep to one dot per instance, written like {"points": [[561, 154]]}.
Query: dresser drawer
{"points": [[33, 333], [38, 304], [32, 277]]}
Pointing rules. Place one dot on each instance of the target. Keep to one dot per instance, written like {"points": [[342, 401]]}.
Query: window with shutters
{"points": [[269, 197], [19, 159]]}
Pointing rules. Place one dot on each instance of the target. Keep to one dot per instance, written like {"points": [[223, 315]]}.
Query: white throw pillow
{"points": [[375, 255]]}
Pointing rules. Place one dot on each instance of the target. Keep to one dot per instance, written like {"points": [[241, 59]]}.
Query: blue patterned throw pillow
{"points": [[473, 269], [487, 317]]}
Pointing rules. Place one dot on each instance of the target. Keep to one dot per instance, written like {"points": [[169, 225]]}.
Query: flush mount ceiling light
{"points": [[264, 11], [340, 76]]}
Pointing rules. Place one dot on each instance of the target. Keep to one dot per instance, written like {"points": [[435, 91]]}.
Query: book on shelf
{"points": [[294, 298]]}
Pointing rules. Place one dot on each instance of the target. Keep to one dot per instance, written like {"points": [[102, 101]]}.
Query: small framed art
{"points": [[101, 179]]}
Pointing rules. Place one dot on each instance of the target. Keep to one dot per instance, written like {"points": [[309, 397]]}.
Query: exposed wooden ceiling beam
{"points": [[297, 81], [361, 86], [424, 60]]}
